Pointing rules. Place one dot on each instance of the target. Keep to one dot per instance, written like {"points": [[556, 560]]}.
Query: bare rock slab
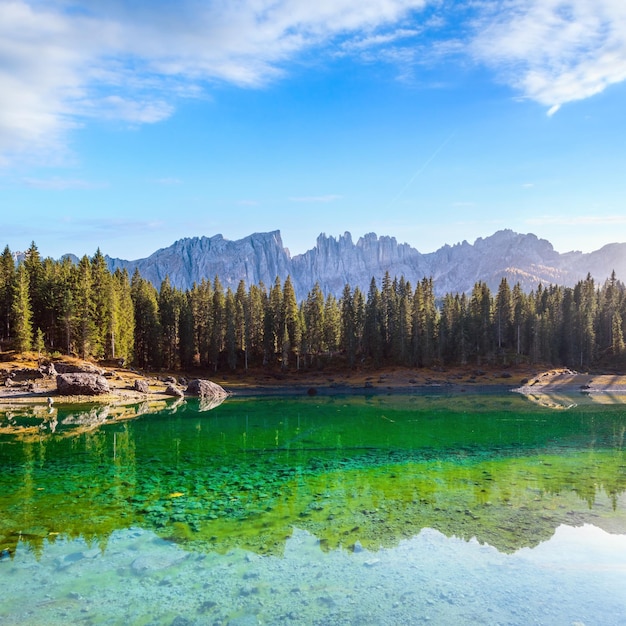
{"points": [[82, 384]]}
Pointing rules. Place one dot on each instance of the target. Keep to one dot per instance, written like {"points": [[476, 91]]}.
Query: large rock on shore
{"points": [[205, 389], [78, 368], [82, 384]]}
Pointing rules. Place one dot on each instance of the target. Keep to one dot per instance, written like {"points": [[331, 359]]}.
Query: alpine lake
{"points": [[382, 509]]}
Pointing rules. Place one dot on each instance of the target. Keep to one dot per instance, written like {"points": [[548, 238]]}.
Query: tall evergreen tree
{"points": [[373, 326], [102, 307], [480, 318], [21, 311], [313, 312], [122, 333], [7, 283], [186, 346], [34, 270], [85, 333], [290, 318], [147, 326], [503, 319], [218, 329], [230, 329], [332, 324], [169, 318]]}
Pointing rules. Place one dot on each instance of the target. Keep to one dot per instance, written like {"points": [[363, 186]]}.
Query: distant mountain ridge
{"points": [[333, 262]]}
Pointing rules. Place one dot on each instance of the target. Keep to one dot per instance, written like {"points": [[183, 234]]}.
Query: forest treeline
{"points": [[85, 310]]}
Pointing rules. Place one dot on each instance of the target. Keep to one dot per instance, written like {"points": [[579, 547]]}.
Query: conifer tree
{"points": [[218, 324], [186, 347], [617, 335], [21, 311], [123, 324], [102, 307], [7, 283], [201, 300], [313, 313], [373, 325], [290, 318], [147, 326], [242, 317], [169, 316], [230, 329], [255, 314], [85, 331], [348, 325], [503, 318], [481, 321], [332, 324], [34, 270]]}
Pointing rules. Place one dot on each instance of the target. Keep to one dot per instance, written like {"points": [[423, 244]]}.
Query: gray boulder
{"points": [[82, 384], [173, 390], [141, 386], [205, 389], [83, 368]]}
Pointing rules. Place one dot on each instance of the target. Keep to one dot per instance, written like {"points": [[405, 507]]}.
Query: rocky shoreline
{"points": [[22, 381]]}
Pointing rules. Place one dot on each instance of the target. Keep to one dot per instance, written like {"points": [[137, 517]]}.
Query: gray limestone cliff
{"points": [[333, 262]]}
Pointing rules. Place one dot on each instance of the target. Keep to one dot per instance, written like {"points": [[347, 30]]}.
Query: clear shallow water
{"points": [[387, 510]]}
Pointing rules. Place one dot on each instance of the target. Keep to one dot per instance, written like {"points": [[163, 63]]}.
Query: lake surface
{"points": [[323, 510]]}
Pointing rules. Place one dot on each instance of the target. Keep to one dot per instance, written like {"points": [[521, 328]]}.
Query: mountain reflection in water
{"points": [[354, 472]]}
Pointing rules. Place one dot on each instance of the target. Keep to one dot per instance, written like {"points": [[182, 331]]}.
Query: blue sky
{"points": [[128, 125]]}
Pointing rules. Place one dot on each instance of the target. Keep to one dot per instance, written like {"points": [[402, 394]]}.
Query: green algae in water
{"points": [[316, 488], [348, 469]]}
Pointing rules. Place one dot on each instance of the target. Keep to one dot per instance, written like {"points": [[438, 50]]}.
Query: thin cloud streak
{"points": [[60, 184]]}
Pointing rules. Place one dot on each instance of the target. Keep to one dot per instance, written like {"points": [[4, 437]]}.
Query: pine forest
{"points": [[83, 309]]}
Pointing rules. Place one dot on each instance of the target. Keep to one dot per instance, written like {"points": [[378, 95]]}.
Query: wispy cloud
{"points": [[60, 184], [318, 199], [64, 63], [554, 51], [113, 226]]}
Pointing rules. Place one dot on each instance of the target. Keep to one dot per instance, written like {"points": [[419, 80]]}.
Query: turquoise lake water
{"points": [[323, 510]]}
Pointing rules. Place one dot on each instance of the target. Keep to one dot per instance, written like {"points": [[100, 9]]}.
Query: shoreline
{"points": [[526, 380]]}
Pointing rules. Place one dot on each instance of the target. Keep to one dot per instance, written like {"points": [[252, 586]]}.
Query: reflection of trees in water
{"points": [[253, 503], [37, 422]]}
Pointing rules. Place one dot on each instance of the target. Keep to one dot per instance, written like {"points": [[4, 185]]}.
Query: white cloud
{"points": [[555, 51], [66, 62], [63, 62]]}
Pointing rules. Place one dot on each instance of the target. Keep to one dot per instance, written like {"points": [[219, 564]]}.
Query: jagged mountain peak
{"points": [[335, 261]]}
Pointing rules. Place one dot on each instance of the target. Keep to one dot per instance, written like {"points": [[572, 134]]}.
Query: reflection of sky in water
{"points": [[584, 548], [578, 576]]}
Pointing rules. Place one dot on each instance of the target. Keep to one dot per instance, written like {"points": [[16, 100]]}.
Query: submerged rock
{"points": [[82, 384]]}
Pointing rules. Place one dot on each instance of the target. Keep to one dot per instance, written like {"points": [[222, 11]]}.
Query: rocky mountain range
{"points": [[333, 262]]}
